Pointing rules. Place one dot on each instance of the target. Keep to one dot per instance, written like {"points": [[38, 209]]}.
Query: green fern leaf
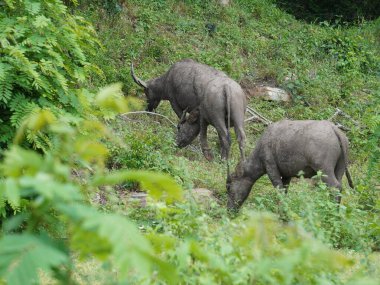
{"points": [[5, 82], [6, 134], [33, 7], [41, 22], [43, 57], [22, 111]]}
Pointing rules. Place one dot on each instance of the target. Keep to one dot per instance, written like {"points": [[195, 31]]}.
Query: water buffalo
{"points": [[286, 148], [183, 85], [223, 105]]}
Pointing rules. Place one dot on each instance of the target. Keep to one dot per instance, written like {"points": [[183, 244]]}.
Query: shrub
{"points": [[49, 205], [43, 57], [143, 148]]}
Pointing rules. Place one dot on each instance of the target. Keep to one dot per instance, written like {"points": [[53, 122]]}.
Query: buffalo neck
{"points": [[253, 166], [157, 85]]}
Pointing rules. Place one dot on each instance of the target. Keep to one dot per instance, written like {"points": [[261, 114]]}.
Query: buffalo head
{"points": [[238, 187], [188, 128], [151, 97]]}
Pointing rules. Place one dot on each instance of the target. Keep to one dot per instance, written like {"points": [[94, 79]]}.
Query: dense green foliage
{"points": [[49, 204], [43, 59], [66, 213]]}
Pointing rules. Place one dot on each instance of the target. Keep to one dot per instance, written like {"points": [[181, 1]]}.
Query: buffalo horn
{"points": [[136, 79], [183, 117]]}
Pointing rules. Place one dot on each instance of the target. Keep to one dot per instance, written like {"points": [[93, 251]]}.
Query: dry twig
{"points": [[256, 116], [149, 113]]}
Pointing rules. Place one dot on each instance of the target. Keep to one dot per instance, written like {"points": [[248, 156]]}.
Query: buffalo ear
{"points": [[193, 116]]}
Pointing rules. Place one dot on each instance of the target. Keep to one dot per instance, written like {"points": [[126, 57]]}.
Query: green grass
{"points": [[254, 41]]}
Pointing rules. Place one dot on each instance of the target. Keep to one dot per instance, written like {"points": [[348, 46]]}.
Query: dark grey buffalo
{"points": [[223, 105], [183, 85], [202, 91], [286, 148]]}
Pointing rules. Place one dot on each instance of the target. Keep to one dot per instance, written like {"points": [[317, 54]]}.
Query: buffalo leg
{"points": [[238, 120], [224, 141], [331, 181], [339, 171], [241, 139], [176, 109], [285, 183], [224, 138], [203, 138], [275, 176]]}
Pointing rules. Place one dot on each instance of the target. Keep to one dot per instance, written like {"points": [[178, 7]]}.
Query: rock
{"points": [[138, 198], [291, 77], [269, 93], [224, 2], [202, 195]]}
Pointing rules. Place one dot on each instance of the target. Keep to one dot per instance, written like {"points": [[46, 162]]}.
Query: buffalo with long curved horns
{"points": [[204, 93]]}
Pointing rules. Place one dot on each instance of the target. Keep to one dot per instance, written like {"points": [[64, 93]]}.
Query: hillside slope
{"points": [[323, 66]]}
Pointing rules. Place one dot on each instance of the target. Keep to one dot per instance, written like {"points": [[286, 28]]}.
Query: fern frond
{"points": [[5, 91], [6, 134], [23, 110], [33, 8], [5, 83], [43, 51], [39, 140]]}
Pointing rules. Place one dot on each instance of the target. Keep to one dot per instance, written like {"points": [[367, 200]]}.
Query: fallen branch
{"points": [[255, 119], [257, 116], [339, 112], [149, 113], [342, 127]]}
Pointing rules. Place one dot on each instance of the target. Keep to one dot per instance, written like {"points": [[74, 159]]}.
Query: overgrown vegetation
{"points": [[67, 215], [43, 59]]}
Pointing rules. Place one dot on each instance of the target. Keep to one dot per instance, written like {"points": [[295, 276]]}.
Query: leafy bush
{"points": [[351, 55], [349, 226], [49, 205], [146, 150], [254, 248], [43, 57]]}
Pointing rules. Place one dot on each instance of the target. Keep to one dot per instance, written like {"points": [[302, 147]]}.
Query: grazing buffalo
{"points": [[183, 85], [222, 106], [286, 148]]}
